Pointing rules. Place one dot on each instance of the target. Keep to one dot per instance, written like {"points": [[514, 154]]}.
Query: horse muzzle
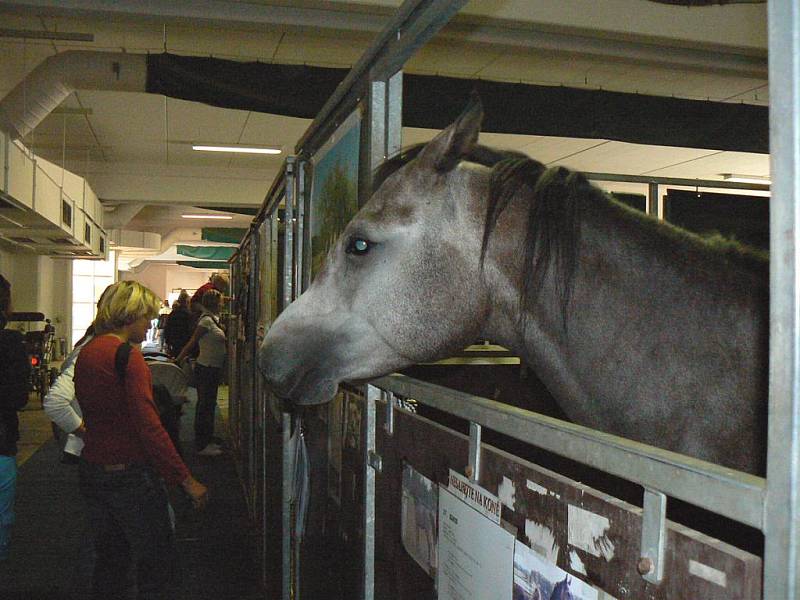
{"points": [[292, 369]]}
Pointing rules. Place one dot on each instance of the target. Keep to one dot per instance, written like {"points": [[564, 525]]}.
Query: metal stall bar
{"points": [[730, 493], [288, 235], [300, 182], [695, 183], [782, 506], [286, 421], [372, 466], [287, 485], [415, 23], [653, 200]]}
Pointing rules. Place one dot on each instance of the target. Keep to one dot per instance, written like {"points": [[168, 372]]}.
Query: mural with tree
{"points": [[334, 194]]}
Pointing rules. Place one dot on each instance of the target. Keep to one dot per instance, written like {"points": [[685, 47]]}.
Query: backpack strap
{"points": [[121, 359]]}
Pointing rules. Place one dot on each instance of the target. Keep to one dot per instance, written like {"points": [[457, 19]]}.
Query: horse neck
{"points": [[638, 289]]}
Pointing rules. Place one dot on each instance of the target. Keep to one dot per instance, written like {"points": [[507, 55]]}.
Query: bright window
{"points": [[89, 279]]}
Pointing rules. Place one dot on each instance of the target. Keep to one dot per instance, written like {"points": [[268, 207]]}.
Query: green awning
{"points": [[213, 265], [220, 253], [223, 235]]}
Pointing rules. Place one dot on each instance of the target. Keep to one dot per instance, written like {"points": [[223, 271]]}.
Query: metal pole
{"points": [[288, 237], [653, 200], [300, 279], [371, 468], [782, 505], [286, 505], [474, 466]]}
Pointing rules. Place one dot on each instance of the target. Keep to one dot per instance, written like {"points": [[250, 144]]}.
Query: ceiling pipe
{"points": [[51, 82], [181, 235], [118, 216]]}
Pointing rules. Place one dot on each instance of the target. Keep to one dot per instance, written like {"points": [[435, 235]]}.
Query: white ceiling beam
{"points": [[222, 11], [165, 190]]}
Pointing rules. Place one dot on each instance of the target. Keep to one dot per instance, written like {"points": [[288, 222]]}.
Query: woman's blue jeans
{"points": [[129, 518], [207, 382]]}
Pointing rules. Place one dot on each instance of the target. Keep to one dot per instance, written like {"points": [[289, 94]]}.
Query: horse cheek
{"points": [[441, 306]]}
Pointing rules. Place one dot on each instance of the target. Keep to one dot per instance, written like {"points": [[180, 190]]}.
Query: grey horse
{"points": [[636, 327]]}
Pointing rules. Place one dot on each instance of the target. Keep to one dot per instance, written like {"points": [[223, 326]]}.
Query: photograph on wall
{"points": [[334, 188], [419, 509], [335, 436], [535, 578]]}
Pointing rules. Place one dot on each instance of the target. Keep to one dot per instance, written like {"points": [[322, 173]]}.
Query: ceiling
{"points": [[134, 148]]}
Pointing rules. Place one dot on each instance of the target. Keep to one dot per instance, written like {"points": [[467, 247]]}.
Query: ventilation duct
{"points": [[45, 209], [51, 82]]}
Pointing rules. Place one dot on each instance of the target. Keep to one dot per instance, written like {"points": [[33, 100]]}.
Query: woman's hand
{"points": [[196, 491], [81, 430]]}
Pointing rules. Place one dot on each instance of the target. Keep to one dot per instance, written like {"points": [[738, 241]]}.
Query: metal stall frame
{"points": [[378, 77], [654, 207], [782, 504], [283, 187], [772, 504]]}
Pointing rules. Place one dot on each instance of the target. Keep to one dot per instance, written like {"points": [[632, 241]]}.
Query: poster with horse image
{"points": [[419, 509], [535, 578], [334, 189]]}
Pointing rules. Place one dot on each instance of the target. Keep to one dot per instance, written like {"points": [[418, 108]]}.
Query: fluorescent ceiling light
{"points": [[207, 216], [734, 178], [240, 149]]}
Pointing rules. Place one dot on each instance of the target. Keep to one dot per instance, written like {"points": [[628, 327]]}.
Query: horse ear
{"points": [[444, 151]]}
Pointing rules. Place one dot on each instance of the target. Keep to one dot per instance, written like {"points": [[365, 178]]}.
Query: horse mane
{"points": [[555, 198]]}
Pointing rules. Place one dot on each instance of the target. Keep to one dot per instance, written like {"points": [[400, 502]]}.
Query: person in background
{"points": [[14, 377], [163, 316], [217, 281], [128, 455], [60, 404], [178, 328], [209, 335]]}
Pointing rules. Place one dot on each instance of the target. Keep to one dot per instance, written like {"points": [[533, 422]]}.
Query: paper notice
{"points": [[476, 556]]}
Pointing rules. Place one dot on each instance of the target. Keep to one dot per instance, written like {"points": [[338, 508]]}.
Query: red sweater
{"points": [[122, 425]]}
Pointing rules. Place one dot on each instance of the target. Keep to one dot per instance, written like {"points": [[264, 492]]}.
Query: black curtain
{"points": [[434, 102]]}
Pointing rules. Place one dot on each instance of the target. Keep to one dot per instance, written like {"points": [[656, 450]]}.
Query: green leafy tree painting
{"points": [[334, 197]]}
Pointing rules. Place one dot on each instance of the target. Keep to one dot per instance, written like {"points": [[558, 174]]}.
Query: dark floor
{"points": [[48, 552]]}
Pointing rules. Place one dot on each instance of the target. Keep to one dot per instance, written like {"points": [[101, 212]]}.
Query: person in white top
{"points": [[210, 336], [60, 404]]}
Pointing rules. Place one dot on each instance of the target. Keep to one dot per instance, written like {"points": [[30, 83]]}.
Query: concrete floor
{"points": [[50, 551]]}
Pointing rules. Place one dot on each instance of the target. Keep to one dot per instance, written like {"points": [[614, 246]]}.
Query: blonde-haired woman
{"points": [[128, 455]]}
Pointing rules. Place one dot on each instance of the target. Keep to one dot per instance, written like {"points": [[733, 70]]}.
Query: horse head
{"points": [[402, 284]]}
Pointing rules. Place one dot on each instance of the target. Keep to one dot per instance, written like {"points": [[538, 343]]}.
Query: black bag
{"points": [[168, 411]]}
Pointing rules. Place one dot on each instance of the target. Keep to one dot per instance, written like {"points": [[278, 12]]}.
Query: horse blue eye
{"points": [[357, 246]]}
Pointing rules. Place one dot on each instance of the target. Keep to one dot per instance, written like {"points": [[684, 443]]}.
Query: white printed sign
{"points": [[477, 497], [476, 556]]}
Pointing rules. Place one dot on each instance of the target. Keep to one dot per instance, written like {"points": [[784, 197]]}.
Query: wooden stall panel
{"points": [[592, 536]]}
